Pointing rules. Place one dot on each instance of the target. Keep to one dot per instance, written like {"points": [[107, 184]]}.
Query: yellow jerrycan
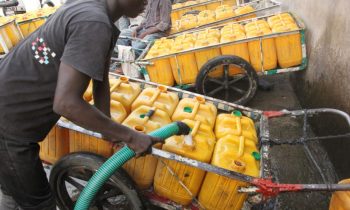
{"points": [[124, 91], [184, 66], [235, 124], [288, 47], [55, 145], [223, 12], [29, 26], [240, 49], [12, 31], [6, 40], [203, 56], [160, 70], [277, 19], [341, 199], [196, 109], [118, 112], [144, 119], [236, 154], [244, 10], [237, 28], [265, 57], [200, 147], [159, 98], [188, 22], [205, 17]]}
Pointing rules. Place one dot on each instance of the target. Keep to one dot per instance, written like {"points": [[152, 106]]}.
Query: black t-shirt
{"points": [[80, 34]]}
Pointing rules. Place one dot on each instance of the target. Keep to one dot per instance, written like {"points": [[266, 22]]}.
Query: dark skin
{"points": [[149, 31], [72, 84]]}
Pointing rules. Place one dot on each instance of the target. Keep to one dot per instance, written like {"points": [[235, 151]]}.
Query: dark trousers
{"points": [[22, 176]]}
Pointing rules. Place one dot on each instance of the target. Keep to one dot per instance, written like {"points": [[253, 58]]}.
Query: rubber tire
{"points": [[93, 162], [228, 59]]}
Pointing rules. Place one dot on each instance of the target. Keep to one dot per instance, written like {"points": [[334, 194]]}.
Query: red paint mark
{"points": [[271, 189], [271, 114]]}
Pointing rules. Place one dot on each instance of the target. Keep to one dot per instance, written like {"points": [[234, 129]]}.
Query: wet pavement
{"points": [[290, 163]]}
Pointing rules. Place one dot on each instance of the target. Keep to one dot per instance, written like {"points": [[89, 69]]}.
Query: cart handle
{"points": [[268, 188]]}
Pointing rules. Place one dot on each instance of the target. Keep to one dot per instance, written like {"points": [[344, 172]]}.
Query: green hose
{"points": [[117, 161]]}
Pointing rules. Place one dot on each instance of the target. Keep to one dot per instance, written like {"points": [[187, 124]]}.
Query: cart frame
{"points": [[262, 189], [142, 62]]}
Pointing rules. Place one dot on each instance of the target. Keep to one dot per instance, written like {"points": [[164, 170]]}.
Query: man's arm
{"points": [[101, 95], [69, 103]]}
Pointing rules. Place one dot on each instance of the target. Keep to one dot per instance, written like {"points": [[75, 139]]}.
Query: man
{"points": [[157, 24], [44, 78]]}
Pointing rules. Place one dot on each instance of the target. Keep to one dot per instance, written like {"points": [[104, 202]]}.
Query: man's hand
{"points": [[134, 33], [149, 31], [142, 35], [139, 142]]}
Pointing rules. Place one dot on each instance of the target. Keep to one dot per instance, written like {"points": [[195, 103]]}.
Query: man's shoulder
{"points": [[87, 11]]}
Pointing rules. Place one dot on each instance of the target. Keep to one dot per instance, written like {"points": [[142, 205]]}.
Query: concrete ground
{"points": [[291, 164]]}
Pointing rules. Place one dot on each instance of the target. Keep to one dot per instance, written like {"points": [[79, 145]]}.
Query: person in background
{"points": [[157, 24]]}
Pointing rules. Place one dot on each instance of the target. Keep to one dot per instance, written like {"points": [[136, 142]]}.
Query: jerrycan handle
{"points": [[241, 146], [118, 83], [238, 116], [159, 90], [190, 143], [149, 114]]}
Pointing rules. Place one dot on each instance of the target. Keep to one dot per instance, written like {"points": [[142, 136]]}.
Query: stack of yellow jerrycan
{"points": [[235, 150], [206, 38], [230, 33], [266, 54], [123, 93], [159, 98], [28, 23], [244, 10], [340, 200], [196, 109], [55, 145], [184, 66], [187, 22], [6, 41], [205, 17], [11, 30], [198, 146], [160, 70], [223, 12], [144, 119], [289, 52]]}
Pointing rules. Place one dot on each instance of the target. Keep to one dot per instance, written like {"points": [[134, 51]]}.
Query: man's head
{"points": [[131, 8]]}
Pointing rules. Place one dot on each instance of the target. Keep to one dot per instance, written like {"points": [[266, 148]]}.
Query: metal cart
{"points": [[239, 88], [70, 174]]}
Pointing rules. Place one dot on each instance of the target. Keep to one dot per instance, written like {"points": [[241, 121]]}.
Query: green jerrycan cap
{"points": [[237, 113], [188, 109], [256, 155]]}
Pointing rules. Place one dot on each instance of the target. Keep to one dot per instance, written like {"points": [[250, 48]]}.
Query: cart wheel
{"points": [[218, 79], [70, 175]]}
